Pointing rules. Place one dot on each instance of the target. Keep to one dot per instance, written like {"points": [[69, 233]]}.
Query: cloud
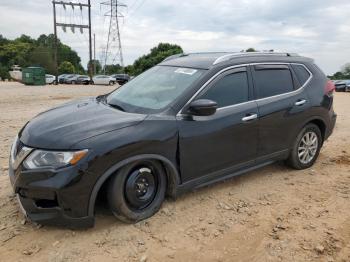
{"points": [[317, 28]]}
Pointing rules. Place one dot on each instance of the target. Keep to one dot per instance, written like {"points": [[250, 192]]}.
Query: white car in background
{"points": [[50, 79], [103, 80]]}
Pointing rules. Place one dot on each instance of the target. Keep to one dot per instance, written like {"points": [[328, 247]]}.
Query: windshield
{"points": [[154, 89]]}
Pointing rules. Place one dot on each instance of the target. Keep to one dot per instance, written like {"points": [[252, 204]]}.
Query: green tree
{"points": [[43, 56], [251, 49], [4, 72], [66, 68], [26, 51], [156, 55], [343, 74], [97, 64], [346, 69], [114, 69]]}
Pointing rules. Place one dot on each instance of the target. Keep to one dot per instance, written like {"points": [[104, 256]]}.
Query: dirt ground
{"points": [[273, 214]]}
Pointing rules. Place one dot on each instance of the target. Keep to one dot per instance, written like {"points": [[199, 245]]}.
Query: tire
{"points": [[311, 151], [111, 83], [133, 195]]}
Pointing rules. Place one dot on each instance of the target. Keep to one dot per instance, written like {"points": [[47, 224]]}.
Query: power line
{"points": [[113, 44], [73, 26]]}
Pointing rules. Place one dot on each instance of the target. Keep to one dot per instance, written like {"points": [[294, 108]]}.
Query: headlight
{"points": [[53, 159]]}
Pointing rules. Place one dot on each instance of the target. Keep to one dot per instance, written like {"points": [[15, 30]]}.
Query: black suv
{"points": [[192, 120]]}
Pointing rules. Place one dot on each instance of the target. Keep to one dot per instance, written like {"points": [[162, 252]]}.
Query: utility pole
{"points": [[55, 44], [114, 45], [90, 43], [73, 27], [94, 54]]}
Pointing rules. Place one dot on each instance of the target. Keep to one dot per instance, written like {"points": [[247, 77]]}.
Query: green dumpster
{"points": [[33, 76]]}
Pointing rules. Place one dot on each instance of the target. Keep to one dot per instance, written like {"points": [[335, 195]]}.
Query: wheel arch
{"points": [[172, 173], [320, 123]]}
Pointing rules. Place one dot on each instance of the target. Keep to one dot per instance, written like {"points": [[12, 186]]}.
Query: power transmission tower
{"points": [[114, 45], [73, 27]]}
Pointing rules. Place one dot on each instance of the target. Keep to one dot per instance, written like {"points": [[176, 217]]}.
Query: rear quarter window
{"points": [[302, 74], [273, 81]]}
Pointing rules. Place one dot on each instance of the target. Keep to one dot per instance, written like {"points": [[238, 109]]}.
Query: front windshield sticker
{"points": [[186, 71]]}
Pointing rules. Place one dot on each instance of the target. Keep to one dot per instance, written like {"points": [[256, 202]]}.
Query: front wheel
{"points": [[137, 191], [306, 147]]}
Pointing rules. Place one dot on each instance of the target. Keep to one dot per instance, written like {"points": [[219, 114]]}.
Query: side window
{"points": [[230, 90], [302, 74], [271, 81]]}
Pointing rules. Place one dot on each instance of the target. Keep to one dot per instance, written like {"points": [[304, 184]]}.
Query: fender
{"points": [[318, 118], [172, 175]]}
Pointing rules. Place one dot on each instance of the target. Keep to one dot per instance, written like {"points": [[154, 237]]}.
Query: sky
{"points": [[315, 28]]}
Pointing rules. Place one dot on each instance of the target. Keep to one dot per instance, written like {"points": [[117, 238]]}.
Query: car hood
{"points": [[63, 126]]}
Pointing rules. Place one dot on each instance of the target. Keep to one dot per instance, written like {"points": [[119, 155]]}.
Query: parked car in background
{"points": [[121, 79], [83, 80], [62, 77], [71, 79], [103, 80], [190, 121], [342, 85], [50, 79]]}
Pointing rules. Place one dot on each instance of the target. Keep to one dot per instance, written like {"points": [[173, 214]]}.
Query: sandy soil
{"points": [[273, 214]]}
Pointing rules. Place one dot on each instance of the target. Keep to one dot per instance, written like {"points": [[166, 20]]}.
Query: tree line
{"points": [[343, 74], [26, 51]]}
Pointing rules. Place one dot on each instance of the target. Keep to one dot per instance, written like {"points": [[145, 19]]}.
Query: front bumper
{"points": [[51, 197]]}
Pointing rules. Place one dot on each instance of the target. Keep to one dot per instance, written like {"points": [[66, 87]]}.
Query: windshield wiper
{"points": [[117, 107]]}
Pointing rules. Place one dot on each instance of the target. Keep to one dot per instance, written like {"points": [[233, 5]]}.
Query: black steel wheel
{"points": [[141, 187], [137, 191]]}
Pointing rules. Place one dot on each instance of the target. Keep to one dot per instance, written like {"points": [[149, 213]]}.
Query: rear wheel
{"points": [[137, 191], [111, 83], [306, 147]]}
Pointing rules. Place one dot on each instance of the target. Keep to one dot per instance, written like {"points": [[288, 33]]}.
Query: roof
{"points": [[209, 60]]}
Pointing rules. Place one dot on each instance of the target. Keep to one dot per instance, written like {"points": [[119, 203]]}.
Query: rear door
{"points": [[211, 146], [282, 104]]}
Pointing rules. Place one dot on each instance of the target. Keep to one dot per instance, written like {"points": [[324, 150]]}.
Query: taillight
{"points": [[329, 89]]}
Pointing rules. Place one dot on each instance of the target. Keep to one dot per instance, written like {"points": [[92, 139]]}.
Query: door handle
{"points": [[249, 117], [300, 102]]}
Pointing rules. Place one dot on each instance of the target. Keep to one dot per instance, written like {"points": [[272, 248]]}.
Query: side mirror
{"points": [[202, 107]]}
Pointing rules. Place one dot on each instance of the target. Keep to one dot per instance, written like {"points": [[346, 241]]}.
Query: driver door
{"points": [[213, 146]]}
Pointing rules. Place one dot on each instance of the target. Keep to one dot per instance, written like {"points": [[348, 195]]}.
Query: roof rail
{"points": [[228, 57], [193, 54], [174, 56]]}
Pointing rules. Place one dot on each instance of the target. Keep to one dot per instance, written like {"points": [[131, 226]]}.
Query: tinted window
{"points": [[229, 90], [302, 74], [271, 82]]}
